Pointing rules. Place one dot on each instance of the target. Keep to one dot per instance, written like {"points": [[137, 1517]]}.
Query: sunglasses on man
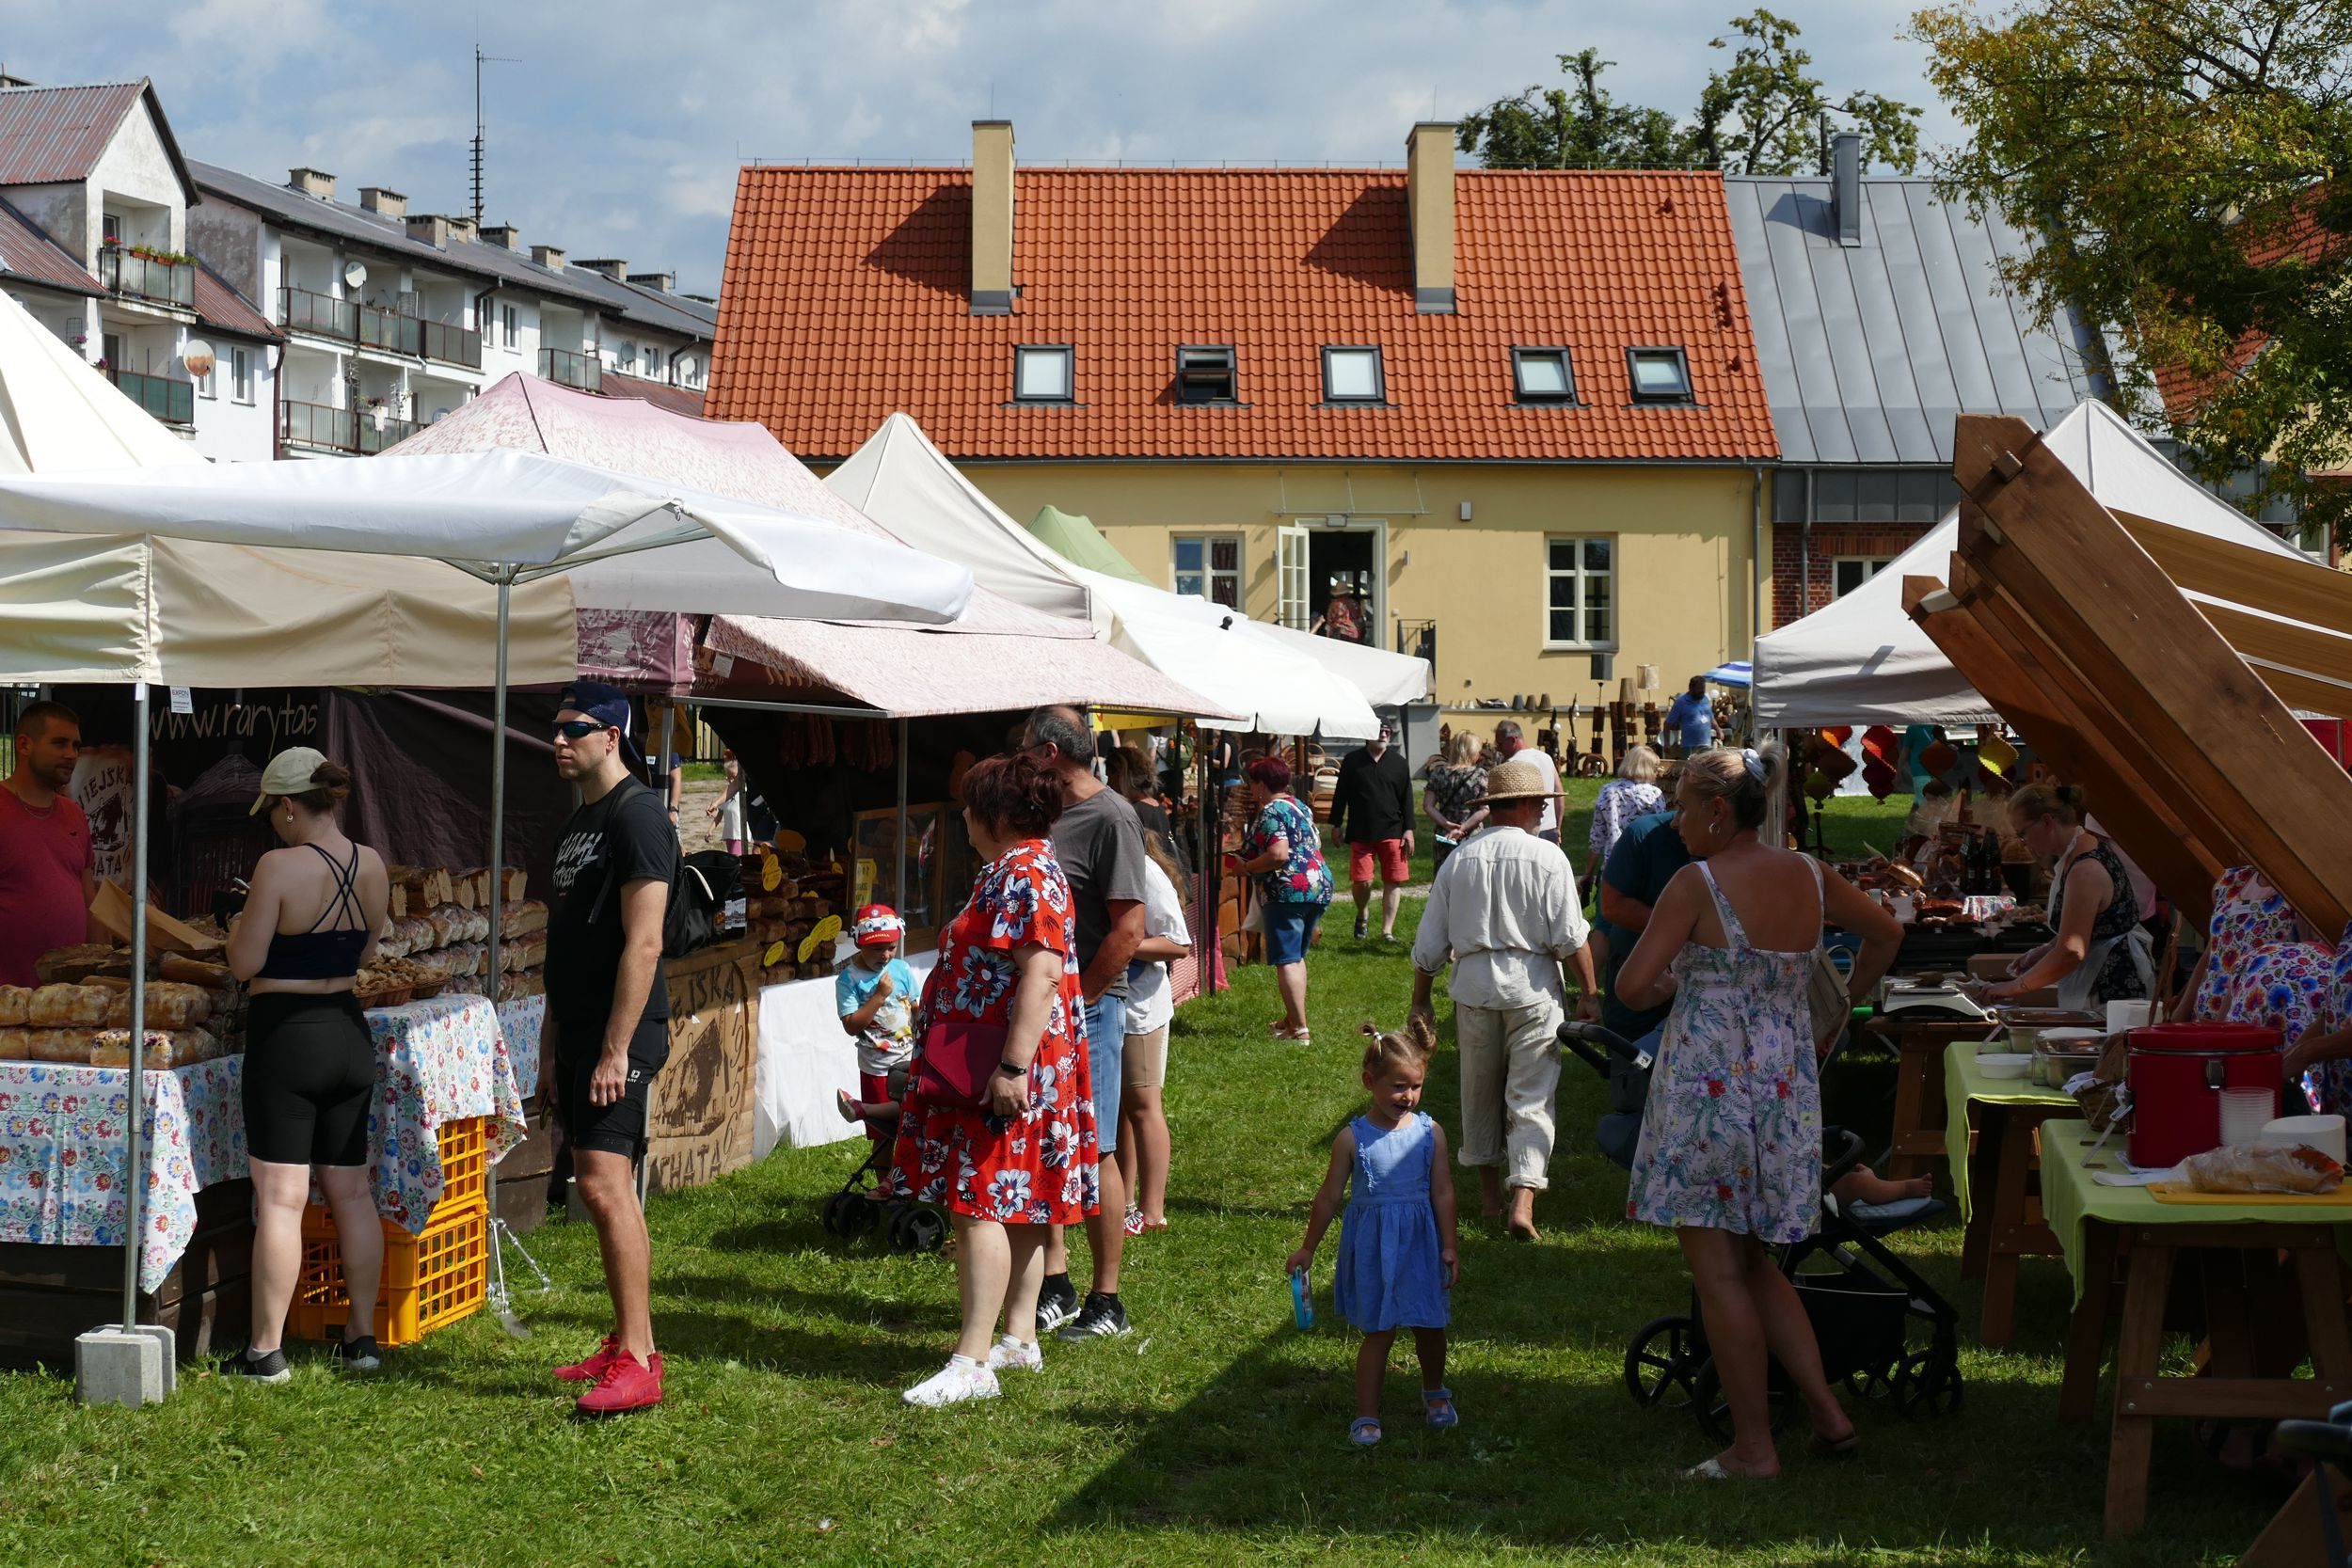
{"points": [[578, 729]]}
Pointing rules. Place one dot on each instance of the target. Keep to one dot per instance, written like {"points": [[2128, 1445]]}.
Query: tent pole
{"points": [[899, 860], [506, 579], [134, 877]]}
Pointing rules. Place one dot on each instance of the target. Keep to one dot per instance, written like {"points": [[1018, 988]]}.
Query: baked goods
{"points": [[171, 1004], [449, 923], [195, 972], [165, 1048], [15, 1000], [521, 918], [59, 1045], [67, 1007], [15, 1044], [68, 965]]}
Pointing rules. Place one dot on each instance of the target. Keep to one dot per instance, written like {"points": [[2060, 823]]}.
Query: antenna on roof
{"points": [[479, 61]]}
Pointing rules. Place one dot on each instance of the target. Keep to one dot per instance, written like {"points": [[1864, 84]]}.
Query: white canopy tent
{"points": [[56, 412], [1861, 661]]}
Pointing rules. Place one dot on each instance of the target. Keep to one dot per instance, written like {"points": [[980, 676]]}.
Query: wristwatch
{"points": [[1013, 1069]]}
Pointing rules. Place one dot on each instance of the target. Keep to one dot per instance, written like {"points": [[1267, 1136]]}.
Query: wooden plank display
{"points": [[51, 1294], [700, 1124], [2159, 674]]}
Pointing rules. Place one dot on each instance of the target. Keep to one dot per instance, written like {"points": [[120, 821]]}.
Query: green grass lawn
{"points": [[1216, 1434]]}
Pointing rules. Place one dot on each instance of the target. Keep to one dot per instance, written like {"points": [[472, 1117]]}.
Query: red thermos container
{"points": [[2177, 1071]]}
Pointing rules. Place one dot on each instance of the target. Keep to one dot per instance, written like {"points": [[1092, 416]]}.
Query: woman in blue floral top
{"points": [[1284, 851]]}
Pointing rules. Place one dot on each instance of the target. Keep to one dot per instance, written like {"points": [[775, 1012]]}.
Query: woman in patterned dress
{"points": [[1731, 1154], [1632, 793], [2318, 1028], [1456, 785], [2248, 914], [2099, 952], [1025, 1159], [1283, 849]]}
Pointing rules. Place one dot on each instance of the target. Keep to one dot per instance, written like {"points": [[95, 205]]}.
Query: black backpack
{"points": [[700, 885]]}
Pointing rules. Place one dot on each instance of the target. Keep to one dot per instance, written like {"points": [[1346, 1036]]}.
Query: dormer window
{"points": [[1542, 375], [1205, 374], [1659, 374], [1353, 374], [1043, 372]]}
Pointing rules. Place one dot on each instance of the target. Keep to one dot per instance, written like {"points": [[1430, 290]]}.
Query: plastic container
{"points": [[465, 1164], [2006, 1064], [2244, 1114], [2177, 1071], [429, 1280]]}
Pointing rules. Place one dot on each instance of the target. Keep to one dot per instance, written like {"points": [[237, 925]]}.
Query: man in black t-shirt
{"points": [[607, 1027], [1372, 812]]}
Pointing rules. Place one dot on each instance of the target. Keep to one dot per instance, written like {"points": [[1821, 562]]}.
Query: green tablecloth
{"points": [[2070, 1197], [1962, 1083]]}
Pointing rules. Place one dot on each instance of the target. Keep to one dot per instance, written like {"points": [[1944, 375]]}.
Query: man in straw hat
{"points": [[1506, 911]]}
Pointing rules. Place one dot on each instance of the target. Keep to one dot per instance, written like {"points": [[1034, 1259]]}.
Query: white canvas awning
{"points": [[1861, 661]]}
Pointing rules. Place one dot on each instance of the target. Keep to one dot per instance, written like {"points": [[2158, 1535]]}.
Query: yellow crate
{"points": [[464, 1163], [429, 1280]]}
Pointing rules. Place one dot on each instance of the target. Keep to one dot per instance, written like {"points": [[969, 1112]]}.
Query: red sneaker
{"points": [[592, 1368], [626, 1383]]}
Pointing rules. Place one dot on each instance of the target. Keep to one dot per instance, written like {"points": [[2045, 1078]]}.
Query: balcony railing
{"points": [[172, 401], [301, 311], [145, 277], [312, 424], [373, 439], [1419, 638], [563, 367], [388, 330], [452, 345]]}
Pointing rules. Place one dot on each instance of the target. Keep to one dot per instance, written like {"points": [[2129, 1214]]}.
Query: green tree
{"points": [[2186, 160], [1764, 114], [1579, 126]]}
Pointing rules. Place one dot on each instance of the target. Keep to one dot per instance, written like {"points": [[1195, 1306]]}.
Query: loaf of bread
{"points": [[165, 1048], [195, 972], [171, 1004], [15, 1005], [518, 884], [59, 1045], [15, 1044], [449, 923], [522, 917], [68, 1007], [393, 943], [68, 965]]}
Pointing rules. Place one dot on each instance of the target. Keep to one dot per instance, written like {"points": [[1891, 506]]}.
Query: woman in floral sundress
{"points": [[1731, 1154], [1025, 1158]]}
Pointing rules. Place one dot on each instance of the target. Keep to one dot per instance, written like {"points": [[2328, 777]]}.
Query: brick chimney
{"points": [[612, 267], [992, 217], [464, 229], [312, 181], [429, 228], [504, 236], [383, 203], [548, 256], [1429, 201], [659, 282]]}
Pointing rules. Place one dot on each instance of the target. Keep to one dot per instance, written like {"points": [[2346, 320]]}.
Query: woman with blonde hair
{"points": [[1632, 793], [1453, 799], [2100, 952], [1731, 1154]]}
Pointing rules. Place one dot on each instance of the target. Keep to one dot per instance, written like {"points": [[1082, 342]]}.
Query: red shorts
{"points": [[874, 1088], [1389, 853]]}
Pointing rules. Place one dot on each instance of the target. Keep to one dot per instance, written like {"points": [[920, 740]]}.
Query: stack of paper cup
{"points": [[2324, 1134], [2127, 1015], [2244, 1114]]}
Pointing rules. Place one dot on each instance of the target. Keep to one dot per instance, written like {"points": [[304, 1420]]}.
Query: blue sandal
{"points": [[1364, 1431], [1439, 1405]]}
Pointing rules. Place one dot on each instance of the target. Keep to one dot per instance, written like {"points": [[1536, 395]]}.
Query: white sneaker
{"points": [[960, 1380], [1008, 1354]]}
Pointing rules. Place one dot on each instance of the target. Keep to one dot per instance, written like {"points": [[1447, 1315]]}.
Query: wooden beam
{"points": [[2283, 585], [2321, 659], [2161, 672]]}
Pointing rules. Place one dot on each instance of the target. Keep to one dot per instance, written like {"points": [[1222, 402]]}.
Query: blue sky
{"points": [[620, 130]]}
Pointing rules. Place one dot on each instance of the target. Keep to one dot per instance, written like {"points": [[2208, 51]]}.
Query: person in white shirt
{"points": [[1511, 743], [1506, 912], [1143, 1145]]}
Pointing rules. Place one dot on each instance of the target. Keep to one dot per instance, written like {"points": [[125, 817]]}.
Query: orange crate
{"points": [[465, 1161], [429, 1280]]}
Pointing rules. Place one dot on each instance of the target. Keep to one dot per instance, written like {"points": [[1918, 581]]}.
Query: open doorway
{"points": [[1344, 576]]}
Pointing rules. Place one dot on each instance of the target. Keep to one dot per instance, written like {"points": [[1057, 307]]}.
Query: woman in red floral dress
{"points": [[1027, 1158]]}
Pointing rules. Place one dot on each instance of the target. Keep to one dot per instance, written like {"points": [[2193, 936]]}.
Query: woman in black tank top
{"points": [[311, 920]]}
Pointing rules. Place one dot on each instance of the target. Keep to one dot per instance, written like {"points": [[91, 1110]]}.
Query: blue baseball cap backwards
{"points": [[607, 705]]}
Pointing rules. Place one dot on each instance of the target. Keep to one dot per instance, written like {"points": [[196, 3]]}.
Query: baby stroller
{"points": [[909, 1227], [1882, 1329]]}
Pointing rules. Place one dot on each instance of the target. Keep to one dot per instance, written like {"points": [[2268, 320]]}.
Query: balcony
{"points": [[373, 326], [301, 311], [452, 345], [312, 424], [388, 330], [566, 369], [1419, 639], [172, 401], [374, 437], [157, 277]]}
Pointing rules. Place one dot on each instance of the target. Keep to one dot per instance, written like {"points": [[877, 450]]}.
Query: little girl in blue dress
{"points": [[1399, 1254]]}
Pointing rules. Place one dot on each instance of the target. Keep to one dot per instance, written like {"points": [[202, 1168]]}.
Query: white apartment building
{"points": [[94, 208], [392, 318]]}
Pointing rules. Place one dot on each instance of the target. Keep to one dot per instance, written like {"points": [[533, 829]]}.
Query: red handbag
{"points": [[959, 1055]]}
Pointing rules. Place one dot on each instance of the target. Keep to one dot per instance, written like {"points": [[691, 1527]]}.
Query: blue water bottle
{"points": [[1301, 1307]]}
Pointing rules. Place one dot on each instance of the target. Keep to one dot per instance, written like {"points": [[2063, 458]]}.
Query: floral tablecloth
{"points": [[61, 1128]]}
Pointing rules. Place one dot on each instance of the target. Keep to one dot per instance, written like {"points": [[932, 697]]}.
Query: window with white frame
{"points": [[241, 375], [1850, 572], [1353, 373], [1042, 372], [1580, 590], [1208, 564], [512, 316]]}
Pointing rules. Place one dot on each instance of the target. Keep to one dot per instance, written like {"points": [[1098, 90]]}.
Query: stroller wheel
{"points": [[835, 1214], [860, 1214], [1872, 1383], [917, 1230], [1660, 1363], [1928, 1383], [1713, 1409]]}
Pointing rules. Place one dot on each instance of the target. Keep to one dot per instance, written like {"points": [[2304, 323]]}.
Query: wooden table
{"points": [[1920, 1113], [1993, 1177], [2272, 1287]]}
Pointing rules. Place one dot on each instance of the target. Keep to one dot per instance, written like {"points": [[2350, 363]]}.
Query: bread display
{"points": [[195, 972], [165, 1048], [69, 965], [59, 1045], [522, 917], [171, 1004], [15, 1004], [67, 1007], [15, 1044]]}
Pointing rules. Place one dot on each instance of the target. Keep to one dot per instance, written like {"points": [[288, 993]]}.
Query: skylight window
{"points": [[1042, 372], [1660, 374], [1352, 375], [1542, 375], [1205, 374]]}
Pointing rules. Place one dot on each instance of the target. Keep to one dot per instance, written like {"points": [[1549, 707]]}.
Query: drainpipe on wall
{"points": [[1805, 557], [1755, 557], [278, 405]]}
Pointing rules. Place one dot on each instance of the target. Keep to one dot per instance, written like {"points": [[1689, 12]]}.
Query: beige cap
{"points": [[1519, 779], [290, 772]]}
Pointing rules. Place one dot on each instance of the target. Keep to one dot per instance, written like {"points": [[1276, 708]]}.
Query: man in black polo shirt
{"points": [[607, 1027], [1373, 814], [1644, 860]]}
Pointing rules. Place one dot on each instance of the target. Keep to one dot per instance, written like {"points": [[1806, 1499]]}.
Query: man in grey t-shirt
{"points": [[1099, 841]]}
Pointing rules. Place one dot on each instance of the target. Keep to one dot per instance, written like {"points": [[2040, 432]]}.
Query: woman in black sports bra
{"points": [[311, 921]]}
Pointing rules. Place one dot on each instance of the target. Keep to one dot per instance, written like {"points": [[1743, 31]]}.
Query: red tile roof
{"points": [[220, 306], [27, 251], [2304, 238], [678, 400], [49, 135], [844, 300]]}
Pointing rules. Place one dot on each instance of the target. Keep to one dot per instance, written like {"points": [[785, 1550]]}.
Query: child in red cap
{"points": [[875, 995]]}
